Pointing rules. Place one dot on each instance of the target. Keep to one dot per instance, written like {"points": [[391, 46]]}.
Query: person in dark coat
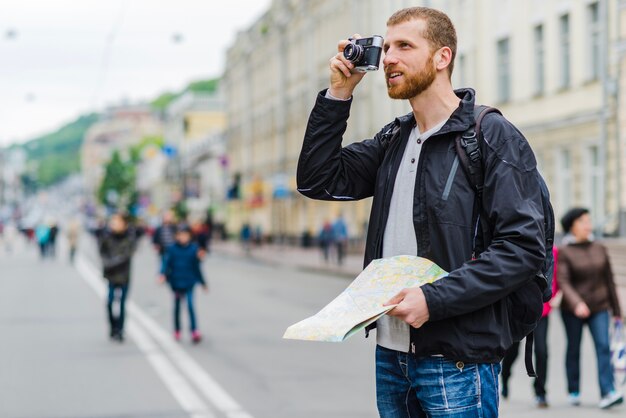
{"points": [[116, 245], [181, 270], [589, 298], [326, 239], [164, 234]]}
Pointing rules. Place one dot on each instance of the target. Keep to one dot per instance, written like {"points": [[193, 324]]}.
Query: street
{"points": [[57, 360]]}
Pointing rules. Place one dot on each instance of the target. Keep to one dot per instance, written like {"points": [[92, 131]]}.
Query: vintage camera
{"points": [[364, 53]]}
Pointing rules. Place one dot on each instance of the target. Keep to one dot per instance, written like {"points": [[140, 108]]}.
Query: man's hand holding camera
{"points": [[342, 78], [354, 58]]}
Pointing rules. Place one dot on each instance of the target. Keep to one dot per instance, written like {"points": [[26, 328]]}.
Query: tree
{"points": [[181, 210], [118, 188]]}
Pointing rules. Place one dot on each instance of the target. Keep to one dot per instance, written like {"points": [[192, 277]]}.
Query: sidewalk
{"points": [[310, 259], [305, 259]]}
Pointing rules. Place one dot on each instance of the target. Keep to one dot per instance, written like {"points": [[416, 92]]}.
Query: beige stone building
{"points": [[195, 124], [119, 129], [553, 67]]}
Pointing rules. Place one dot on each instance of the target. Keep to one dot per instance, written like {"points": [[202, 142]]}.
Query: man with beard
{"points": [[439, 350]]}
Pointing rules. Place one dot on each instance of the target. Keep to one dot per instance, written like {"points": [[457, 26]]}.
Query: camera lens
{"points": [[353, 52]]}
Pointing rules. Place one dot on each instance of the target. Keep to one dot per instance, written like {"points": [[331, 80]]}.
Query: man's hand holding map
{"points": [[362, 302]]}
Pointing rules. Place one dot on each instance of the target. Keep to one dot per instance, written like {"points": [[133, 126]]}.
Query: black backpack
{"points": [[524, 313], [523, 316]]}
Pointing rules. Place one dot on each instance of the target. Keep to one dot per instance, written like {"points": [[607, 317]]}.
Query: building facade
{"points": [[119, 129], [194, 127], [553, 67]]}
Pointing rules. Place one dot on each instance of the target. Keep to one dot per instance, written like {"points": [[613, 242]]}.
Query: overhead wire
{"points": [[106, 53]]}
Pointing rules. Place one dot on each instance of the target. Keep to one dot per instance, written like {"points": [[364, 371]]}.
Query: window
{"points": [[594, 37], [564, 40], [594, 195], [540, 82], [564, 172], [504, 70]]}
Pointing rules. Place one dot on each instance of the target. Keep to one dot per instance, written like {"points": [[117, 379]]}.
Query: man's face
{"points": [[117, 224], [168, 217], [408, 62]]}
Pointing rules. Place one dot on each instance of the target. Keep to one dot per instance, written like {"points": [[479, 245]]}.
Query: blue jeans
{"points": [[599, 326], [178, 296], [117, 322], [409, 386]]}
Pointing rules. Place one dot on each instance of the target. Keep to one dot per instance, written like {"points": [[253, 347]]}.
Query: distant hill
{"points": [[54, 156], [200, 86]]}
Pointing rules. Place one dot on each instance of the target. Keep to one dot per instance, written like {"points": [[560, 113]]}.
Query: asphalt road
{"points": [[56, 359]]}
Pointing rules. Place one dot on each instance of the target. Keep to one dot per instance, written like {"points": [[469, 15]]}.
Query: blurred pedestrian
{"points": [[257, 236], [209, 225], [340, 238], [117, 244], [246, 237], [326, 240], [10, 236], [42, 234], [541, 351], [200, 236], [52, 242], [164, 234], [181, 269], [73, 233], [586, 280]]}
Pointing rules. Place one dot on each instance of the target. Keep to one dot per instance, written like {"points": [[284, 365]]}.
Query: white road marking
{"points": [[188, 399], [203, 382]]}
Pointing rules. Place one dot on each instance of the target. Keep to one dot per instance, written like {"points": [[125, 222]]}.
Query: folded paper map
{"points": [[362, 302]]}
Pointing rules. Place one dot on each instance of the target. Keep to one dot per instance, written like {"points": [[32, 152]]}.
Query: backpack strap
{"points": [[528, 354], [468, 149], [391, 135], [467, 146], [471, 159]]}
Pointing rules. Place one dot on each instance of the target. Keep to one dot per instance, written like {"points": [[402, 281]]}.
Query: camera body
{"points": [[364, 53]]}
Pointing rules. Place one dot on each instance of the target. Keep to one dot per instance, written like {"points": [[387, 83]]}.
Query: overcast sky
{"points": [[62, 58]]}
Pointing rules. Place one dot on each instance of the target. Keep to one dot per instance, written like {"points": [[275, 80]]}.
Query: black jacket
{"points": [[116, 251], [469, 312]]}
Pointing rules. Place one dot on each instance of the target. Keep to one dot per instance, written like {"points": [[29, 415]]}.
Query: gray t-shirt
{"points": [[399, 238]]}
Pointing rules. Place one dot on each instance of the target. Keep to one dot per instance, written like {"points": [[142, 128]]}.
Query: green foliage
{"points": [[57, 154], [118, 189], [199, 86], [181, 210], [65, 140], [55, 167], [204, 86], [164, 100], [137, 150]]}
